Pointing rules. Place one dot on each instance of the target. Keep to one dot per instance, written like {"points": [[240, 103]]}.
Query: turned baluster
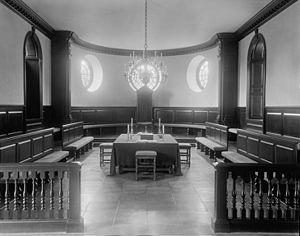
{"points": [[243, 196], [229, 198], [269, 212], [252, 211], [287, 196], [42, 176], [60, 190], [296, 199], [33, 192], [15, 201], [278, 195], [260, 201], [234, 210], [51, 192]]}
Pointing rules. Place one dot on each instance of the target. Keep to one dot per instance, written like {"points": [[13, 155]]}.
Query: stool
{"points": [[105, 150], [145, 159], [185, 151]]}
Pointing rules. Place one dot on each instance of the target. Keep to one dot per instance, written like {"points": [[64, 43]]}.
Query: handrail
{"points": [[41, 193], [259, 197]]}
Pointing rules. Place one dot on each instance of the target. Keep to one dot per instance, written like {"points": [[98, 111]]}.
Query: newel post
{"points": [[219, 221], [75, 221]]}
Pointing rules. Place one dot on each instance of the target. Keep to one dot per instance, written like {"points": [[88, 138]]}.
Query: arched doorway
{"points": [[256, 82], [33, 95]]}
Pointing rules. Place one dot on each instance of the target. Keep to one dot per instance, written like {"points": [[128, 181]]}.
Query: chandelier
{"points": [[145, 70]]}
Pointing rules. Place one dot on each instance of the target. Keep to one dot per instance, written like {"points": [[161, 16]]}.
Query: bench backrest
{"points": [[265, 148], [71, 132], [26, 147], [217, 133]]}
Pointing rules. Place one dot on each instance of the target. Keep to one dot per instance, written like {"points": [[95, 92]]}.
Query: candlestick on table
{"points": [[131, 123], [159, 126]]}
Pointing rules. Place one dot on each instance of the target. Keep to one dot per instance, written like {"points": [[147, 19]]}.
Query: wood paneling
{"points": [[3, 125], [11, 120], [99, 115], [166, 116], [24, 149], [283, 121], [102, 115], [191, 115], [183, 116], [267, 148], [200, 117]]}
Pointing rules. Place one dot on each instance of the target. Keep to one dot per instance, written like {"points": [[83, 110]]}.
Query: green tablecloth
{"points": [[124, 148]]}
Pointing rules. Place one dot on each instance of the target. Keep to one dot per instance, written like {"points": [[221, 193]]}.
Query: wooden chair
{"points": [[105, 151], [185, 152], [145, 160]]}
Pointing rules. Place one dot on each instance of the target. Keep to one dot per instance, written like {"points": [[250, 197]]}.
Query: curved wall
{"points": [[115, 90]]}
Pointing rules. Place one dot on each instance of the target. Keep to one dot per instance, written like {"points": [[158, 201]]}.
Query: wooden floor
{"points": [[172, 205]]}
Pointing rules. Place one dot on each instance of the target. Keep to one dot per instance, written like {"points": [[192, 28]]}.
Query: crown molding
{"points": [[267, 13], [264, 15], [213, 42], [20, 8]]}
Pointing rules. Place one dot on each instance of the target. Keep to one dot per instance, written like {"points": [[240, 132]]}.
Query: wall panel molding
{"points": [[11, 120], [191, 115], [283, 121]]}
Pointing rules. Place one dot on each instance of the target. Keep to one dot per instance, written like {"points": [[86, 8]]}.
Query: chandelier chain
{"points": [[146, 19]]}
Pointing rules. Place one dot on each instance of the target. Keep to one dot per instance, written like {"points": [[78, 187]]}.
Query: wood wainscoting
{"points": [[283, 121], [186, 115], [11, 120], [277, 120]]}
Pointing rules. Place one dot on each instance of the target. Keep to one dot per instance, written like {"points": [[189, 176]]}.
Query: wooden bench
{"points": [[31, 147], [256, 147], [215, 140], [74, 141]]}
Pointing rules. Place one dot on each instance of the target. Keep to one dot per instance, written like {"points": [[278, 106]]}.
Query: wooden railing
{"points": [[40, 197], [256, 197]]}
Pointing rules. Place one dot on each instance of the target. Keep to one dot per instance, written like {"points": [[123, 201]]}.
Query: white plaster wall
{"points": [[115, 90], [282, 35], [13, 31]]}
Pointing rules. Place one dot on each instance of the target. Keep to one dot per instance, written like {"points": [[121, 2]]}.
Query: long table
{"points": [[124, 148]]}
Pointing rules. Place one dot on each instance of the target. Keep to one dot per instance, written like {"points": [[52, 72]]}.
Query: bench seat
{"points": [[79, 143], [82, 144], [211, 144], [236, 157], [56, 156]]}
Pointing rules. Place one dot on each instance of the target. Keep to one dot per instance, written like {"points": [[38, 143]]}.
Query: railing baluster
{"points": [[243, 195], [287, 195], [234, 210], [260, 201], [42, 192], [51, 194], [33, 193], [268, 211], [229, 190], [252, 211], [278, 204], [15, 200], [296, 199], [6, 199]]}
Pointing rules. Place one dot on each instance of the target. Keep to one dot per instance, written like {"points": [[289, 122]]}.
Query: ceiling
{"points": [[171, 23]]}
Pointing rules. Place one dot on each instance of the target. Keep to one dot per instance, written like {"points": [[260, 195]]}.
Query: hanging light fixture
{"points": [[145, 70]]}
